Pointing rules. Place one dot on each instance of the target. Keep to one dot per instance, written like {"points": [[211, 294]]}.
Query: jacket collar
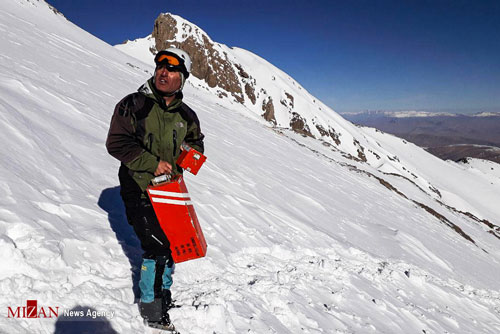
{"points": [[149, 89]]}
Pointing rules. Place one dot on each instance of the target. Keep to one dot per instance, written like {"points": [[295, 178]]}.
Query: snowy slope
{"points": [[301, 237], [292, 105], [296, 103], [482, 167]]}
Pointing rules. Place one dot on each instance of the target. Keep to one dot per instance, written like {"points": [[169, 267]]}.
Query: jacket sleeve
{"points": [[194, 137], [122, 142]]}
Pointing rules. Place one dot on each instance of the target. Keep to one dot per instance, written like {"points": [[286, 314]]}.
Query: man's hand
{"points": [[163, 168]]}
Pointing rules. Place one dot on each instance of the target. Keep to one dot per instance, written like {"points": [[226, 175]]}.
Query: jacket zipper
{"points": [[175, 143], [150, 142]]}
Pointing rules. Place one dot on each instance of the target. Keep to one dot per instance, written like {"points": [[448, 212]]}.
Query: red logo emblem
{"points": [[31, 310]]}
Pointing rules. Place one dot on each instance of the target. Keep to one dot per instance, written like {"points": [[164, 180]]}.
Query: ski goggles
{"points": [[170, 59]]}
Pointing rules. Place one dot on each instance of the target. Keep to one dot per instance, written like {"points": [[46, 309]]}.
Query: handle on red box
{"points": [[161, 179], [185, 147]]}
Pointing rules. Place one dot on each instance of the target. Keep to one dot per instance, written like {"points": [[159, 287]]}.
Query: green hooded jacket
{"points": [[144, 130]]}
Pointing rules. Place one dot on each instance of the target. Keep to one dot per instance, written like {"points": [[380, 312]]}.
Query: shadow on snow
{"points": [[111, 201]]}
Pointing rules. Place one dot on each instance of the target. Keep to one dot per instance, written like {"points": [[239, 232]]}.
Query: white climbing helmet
{"points": [[175, 59]]}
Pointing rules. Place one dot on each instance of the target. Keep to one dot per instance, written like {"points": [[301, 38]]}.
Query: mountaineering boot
{"points": [[166, 300], [170, 328], [156, 316], [165, 320], [164, 323], [152, 312]]}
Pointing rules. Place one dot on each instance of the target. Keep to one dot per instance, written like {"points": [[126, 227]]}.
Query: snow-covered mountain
{"points": [[228, 72], [487, 114], [481, 166], [401, 114], [406, 113], [238, 76], [369, 234]]}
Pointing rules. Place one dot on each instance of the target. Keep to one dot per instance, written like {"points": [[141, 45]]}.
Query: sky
{"points": [[353, 55]]}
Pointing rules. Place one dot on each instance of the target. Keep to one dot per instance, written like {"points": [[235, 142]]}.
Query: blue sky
{"points": [[353, 55]]}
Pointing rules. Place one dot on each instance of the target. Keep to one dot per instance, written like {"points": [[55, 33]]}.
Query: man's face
{"points": [[165, 81]]}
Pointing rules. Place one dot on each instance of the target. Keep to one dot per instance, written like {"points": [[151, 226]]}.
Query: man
{"points": [[146, 133]]}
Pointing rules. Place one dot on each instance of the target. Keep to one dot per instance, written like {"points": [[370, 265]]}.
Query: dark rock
{"points": [[208, 64], [290, 98], [250, 91], [165, 29], [298, 124], [268, 108], [361, 151], [241, 71], [321, 130]]}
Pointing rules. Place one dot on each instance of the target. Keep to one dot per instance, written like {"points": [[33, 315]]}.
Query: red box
{"points": [[175, 212], [191, 160]]}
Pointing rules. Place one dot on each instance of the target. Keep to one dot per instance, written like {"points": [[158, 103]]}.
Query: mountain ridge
{"points": [[223, 69], [442, 135], [300, 112]]}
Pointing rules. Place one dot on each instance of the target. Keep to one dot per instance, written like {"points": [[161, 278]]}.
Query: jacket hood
{"points": [[148, 88]]}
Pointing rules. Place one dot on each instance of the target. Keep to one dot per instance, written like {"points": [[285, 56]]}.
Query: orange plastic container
{"points": [[191, 160], [175, 212]]}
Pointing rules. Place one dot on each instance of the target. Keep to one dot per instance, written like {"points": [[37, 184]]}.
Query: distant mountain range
{"points": [[417, 113], [446, 135]]}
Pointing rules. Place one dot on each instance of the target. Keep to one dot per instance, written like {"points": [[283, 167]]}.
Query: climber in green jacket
{"points": [[146, 133]]}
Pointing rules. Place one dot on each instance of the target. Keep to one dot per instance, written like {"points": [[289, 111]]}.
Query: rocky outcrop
{"points": [[268, 108], [287, 101], [361, 150], [219, 68], [165, 30], [298, 124], [208, 64], [250, 91], [241, 71], [290, 99], [330, 133]]}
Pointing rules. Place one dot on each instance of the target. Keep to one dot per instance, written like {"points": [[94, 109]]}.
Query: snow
{"points": [[420, 113], [403, 113], [484, 168], [267, 81], [300, 237], [456, 185], [139, 48], [487, 114]]}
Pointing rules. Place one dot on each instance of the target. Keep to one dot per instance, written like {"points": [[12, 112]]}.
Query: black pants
{"points": [[143, 219], [141, 215]]}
